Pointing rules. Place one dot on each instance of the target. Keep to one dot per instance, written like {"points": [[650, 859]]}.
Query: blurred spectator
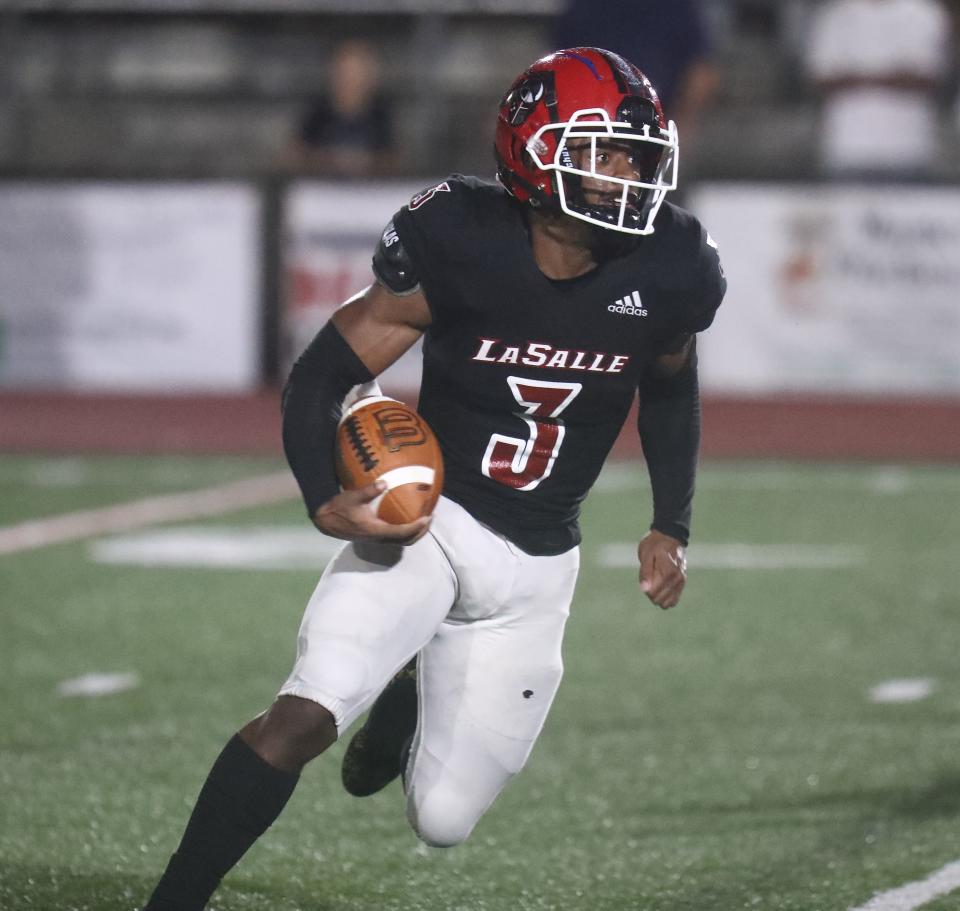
{"points": [[667, 39], [880, 65], [348, 131]]}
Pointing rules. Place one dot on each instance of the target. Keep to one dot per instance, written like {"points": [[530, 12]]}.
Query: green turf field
{"points": [[725, 755]]}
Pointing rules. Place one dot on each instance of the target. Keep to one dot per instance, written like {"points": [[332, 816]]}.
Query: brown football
{"points": [[381, 438]]}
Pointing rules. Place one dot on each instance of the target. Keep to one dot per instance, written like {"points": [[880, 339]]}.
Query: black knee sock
{"points": [[239, 801]]}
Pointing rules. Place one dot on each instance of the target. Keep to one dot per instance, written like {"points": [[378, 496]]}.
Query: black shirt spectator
{"points": [[348, 130]]}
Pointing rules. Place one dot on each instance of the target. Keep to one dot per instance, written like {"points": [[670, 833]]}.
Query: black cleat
{"points": [[378, 751]]}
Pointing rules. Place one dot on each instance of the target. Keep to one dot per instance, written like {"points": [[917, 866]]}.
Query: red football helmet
{"points": [[582, 130]]}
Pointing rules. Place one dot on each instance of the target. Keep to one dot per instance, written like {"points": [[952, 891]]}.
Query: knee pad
{"points": [[444, 817]]}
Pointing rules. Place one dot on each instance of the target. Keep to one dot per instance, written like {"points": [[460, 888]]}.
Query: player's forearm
{"points": [[312, 401], [669, 425]]}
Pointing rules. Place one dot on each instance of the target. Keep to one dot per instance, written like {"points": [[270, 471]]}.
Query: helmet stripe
{"points": [[623, 75], [586, 61]]}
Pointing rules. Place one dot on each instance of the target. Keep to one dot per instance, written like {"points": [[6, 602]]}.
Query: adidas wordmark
{"points": [[629, 305]]}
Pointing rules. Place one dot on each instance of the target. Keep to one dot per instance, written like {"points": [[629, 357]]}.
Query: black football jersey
{"points": [[527, 380]]}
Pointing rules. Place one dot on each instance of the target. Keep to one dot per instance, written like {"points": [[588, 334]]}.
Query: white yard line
{"points": [[254, 547], [745, 556], [915, 894], [99, 684], [879, 480], [178, 507], [908, 689]]}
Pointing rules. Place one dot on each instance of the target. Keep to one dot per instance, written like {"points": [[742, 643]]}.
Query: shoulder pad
{"points": [[710, 250], [392, 264], [425, 196]]}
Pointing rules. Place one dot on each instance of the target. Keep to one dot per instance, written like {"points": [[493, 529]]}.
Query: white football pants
{"points": [[487, 620]]}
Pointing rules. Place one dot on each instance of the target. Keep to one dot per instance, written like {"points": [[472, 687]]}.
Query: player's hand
{"points": [[663, 568], [349, 515]]}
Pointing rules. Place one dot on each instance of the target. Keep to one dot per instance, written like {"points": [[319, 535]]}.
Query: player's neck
{"points": [[561, 245]]}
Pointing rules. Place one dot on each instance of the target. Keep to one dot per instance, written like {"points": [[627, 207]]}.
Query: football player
{"points": [[545, 301]]}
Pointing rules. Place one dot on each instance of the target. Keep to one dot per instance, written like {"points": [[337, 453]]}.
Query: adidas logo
{"points": [[630, 305]]}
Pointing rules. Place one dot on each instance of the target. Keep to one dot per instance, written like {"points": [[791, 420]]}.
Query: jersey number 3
{"points": [[523, 463]]}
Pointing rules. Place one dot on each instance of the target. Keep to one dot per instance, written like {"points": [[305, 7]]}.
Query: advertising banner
{"points": [[129, 287], [331, 231], [834, 289]]}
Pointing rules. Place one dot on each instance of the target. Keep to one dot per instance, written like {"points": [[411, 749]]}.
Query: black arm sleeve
{"points": [[326, 371], [669, 424]]}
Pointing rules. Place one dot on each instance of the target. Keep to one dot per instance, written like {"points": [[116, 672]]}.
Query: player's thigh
{"points": [[373, 609], [485, 690]]}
